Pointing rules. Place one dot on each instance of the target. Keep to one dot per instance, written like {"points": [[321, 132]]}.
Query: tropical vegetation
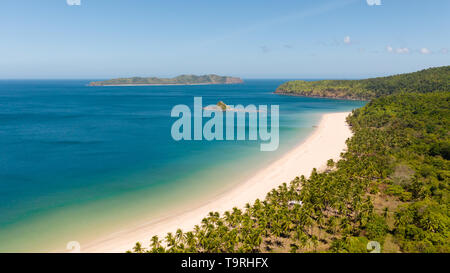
{"points": [[428, 80], [390, 188]]}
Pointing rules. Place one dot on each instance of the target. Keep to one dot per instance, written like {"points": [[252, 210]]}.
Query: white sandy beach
{"points": [[327, 141]]}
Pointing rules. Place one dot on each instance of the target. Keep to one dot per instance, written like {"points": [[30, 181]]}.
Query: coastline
{"points": [[292, 94], [327, 141]]}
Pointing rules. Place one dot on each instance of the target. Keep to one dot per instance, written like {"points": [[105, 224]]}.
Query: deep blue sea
{"points": [[79, 162]]}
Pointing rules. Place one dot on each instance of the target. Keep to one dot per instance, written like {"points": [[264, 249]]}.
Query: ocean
{"points": [[79, 162]]}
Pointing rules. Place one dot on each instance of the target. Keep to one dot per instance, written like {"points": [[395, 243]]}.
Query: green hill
{"points": [[424, 81], [182, 79]]}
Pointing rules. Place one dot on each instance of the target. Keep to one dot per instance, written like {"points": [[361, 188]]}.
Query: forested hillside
{"points": [[424, 81]]}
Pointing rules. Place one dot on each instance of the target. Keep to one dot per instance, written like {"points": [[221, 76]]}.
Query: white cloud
{"points": [[373, 2], [425, 50], [347, 40], [402, 50], [73, 2], [444, 50]]}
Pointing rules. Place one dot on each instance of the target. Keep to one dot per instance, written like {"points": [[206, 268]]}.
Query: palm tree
{"points": [[138, 248], [156, 245], [189, 237], [179, 236], [171, 242]]}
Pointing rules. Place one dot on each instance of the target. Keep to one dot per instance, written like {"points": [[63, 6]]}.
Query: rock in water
{"points": [[222, 105]]}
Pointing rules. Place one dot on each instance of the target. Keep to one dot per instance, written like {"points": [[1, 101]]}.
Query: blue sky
{"points": [[246, 38]]}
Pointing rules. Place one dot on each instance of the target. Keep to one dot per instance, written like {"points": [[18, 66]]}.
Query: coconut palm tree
{"points": [[138, 248]]}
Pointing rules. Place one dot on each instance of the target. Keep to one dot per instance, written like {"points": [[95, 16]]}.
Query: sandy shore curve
{"points": [[327, 141]]}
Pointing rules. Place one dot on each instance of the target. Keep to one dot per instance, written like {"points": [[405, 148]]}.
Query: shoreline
{"points": [[325, 142], [292, 94]]}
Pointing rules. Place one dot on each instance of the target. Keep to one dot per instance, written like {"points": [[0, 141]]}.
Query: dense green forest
{"points": [[391, 186], [428, 80], [182, 79]]}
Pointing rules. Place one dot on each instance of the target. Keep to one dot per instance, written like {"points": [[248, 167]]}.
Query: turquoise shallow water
{"points": [[79, 162]]}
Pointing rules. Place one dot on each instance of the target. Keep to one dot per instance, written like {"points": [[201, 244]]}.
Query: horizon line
{"points": [[244, 78]]}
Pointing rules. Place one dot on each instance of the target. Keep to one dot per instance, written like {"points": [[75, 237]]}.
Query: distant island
{"points": [[424, 81], [179, 80]]}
